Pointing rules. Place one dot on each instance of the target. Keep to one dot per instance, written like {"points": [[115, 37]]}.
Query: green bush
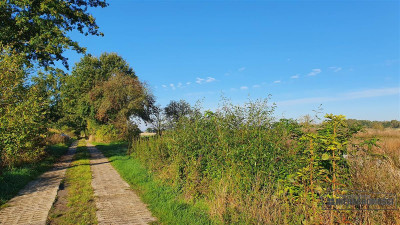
{"points": [[248, 166]]}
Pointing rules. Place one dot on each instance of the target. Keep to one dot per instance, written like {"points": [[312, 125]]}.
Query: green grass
{"points": [[13, 180], [80, 207], [163, 201]]}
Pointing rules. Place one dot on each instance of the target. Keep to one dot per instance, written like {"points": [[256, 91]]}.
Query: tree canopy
{"points": [[39, 29], [174, 110], [35, 33], [104, 91]]}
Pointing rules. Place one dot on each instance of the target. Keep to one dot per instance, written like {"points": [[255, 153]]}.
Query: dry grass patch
{"points": [[376, 168]]}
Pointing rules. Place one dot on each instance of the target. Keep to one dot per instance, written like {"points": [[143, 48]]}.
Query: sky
{"points": [[344, 55]]}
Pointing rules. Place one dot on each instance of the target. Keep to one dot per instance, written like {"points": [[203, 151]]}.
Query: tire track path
{"points": [[32, 204], [115, 201]]}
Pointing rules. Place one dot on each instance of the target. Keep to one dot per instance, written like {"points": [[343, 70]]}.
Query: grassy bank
{"points": [[163, 201], [13, 180], [75, 200]]}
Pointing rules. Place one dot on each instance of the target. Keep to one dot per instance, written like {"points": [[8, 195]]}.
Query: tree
{"points": [[395, 124], [114, 101], [157, 119], [175, 110], [38, 29], [34, 32], [104, 92]]}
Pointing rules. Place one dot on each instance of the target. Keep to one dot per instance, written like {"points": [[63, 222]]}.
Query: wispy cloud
{"points": [[277, 82], [207, 80], [179, 85], [295, 76], [172, 86], [244, 88], [314, 72], [164, 86], [370, 93], [335, 68], [256, 86], [188, 83], [210, 79], [241, 69], [199, 80]]}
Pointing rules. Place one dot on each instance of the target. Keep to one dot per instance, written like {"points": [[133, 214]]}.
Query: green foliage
{"points": [[102, 133], [38, 29], [175, 110], [34, 33], [104, 92], [244, 162], [22, 113], [239, 149]]}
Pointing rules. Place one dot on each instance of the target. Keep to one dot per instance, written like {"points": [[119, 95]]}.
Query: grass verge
{"points": [[13, 180], [75, 200], [163, 201]]}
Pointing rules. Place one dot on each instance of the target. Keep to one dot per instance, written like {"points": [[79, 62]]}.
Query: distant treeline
{"points": [[375, 124]]}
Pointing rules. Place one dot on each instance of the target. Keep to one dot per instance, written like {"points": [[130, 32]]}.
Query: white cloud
{"points": [[172, 86], [244, 88], [256, 86], [314, 72], [335, 68], [188, 83], [210, 79], [370, 93], [199, 80], [277, 82], [202, 81], [241, 69], [164, 86], [295, 76]]}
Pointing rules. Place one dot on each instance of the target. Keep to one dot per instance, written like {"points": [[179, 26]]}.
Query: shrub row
{"points": [[249, 167]]}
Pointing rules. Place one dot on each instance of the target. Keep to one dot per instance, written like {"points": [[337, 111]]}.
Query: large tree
{"points": [[35, 33], [39, 28], [104, 91], [175, 110]]}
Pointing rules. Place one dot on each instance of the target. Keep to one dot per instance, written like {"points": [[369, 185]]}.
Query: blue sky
{"points": [[341, 54]]}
